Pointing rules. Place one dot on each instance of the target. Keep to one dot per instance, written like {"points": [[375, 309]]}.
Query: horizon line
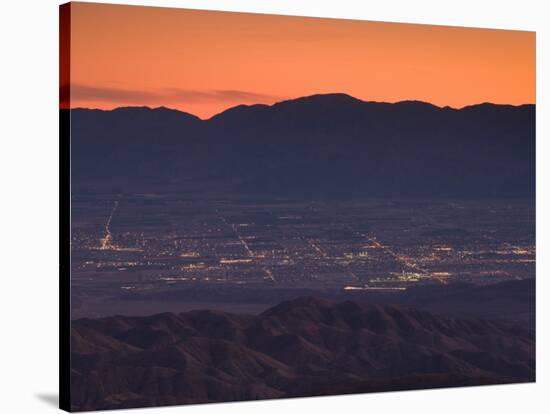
{"points": [[65, 107]]}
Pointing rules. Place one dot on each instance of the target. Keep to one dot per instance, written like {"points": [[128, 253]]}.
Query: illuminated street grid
{"points": [[141, 241]]}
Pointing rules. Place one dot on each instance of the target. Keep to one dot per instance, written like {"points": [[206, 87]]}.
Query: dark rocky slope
{"points": [[302, 347]]}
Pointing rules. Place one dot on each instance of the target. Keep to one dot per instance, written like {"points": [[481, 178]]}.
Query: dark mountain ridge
{"points": [[318, 145], [511, 301], [302, 347]]}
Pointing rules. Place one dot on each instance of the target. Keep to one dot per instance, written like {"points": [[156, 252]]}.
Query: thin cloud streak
{"points": [[87, 93]]}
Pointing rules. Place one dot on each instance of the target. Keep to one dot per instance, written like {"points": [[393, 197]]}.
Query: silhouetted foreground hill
{"points": [[329, 145], [302, 347], [512, 301]]}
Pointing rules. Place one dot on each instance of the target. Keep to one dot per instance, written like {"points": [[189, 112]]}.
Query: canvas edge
{"points": [[64, 208]]}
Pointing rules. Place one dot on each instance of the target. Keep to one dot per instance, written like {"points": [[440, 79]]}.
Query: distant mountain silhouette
{"points": [[321, 145], [302, 347], [512, 301]]}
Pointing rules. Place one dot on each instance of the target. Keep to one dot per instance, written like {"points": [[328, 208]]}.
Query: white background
{"points": [[29, 205]]}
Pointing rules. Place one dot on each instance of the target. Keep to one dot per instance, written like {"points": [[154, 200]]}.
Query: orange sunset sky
{"points": [[203, 62]]}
